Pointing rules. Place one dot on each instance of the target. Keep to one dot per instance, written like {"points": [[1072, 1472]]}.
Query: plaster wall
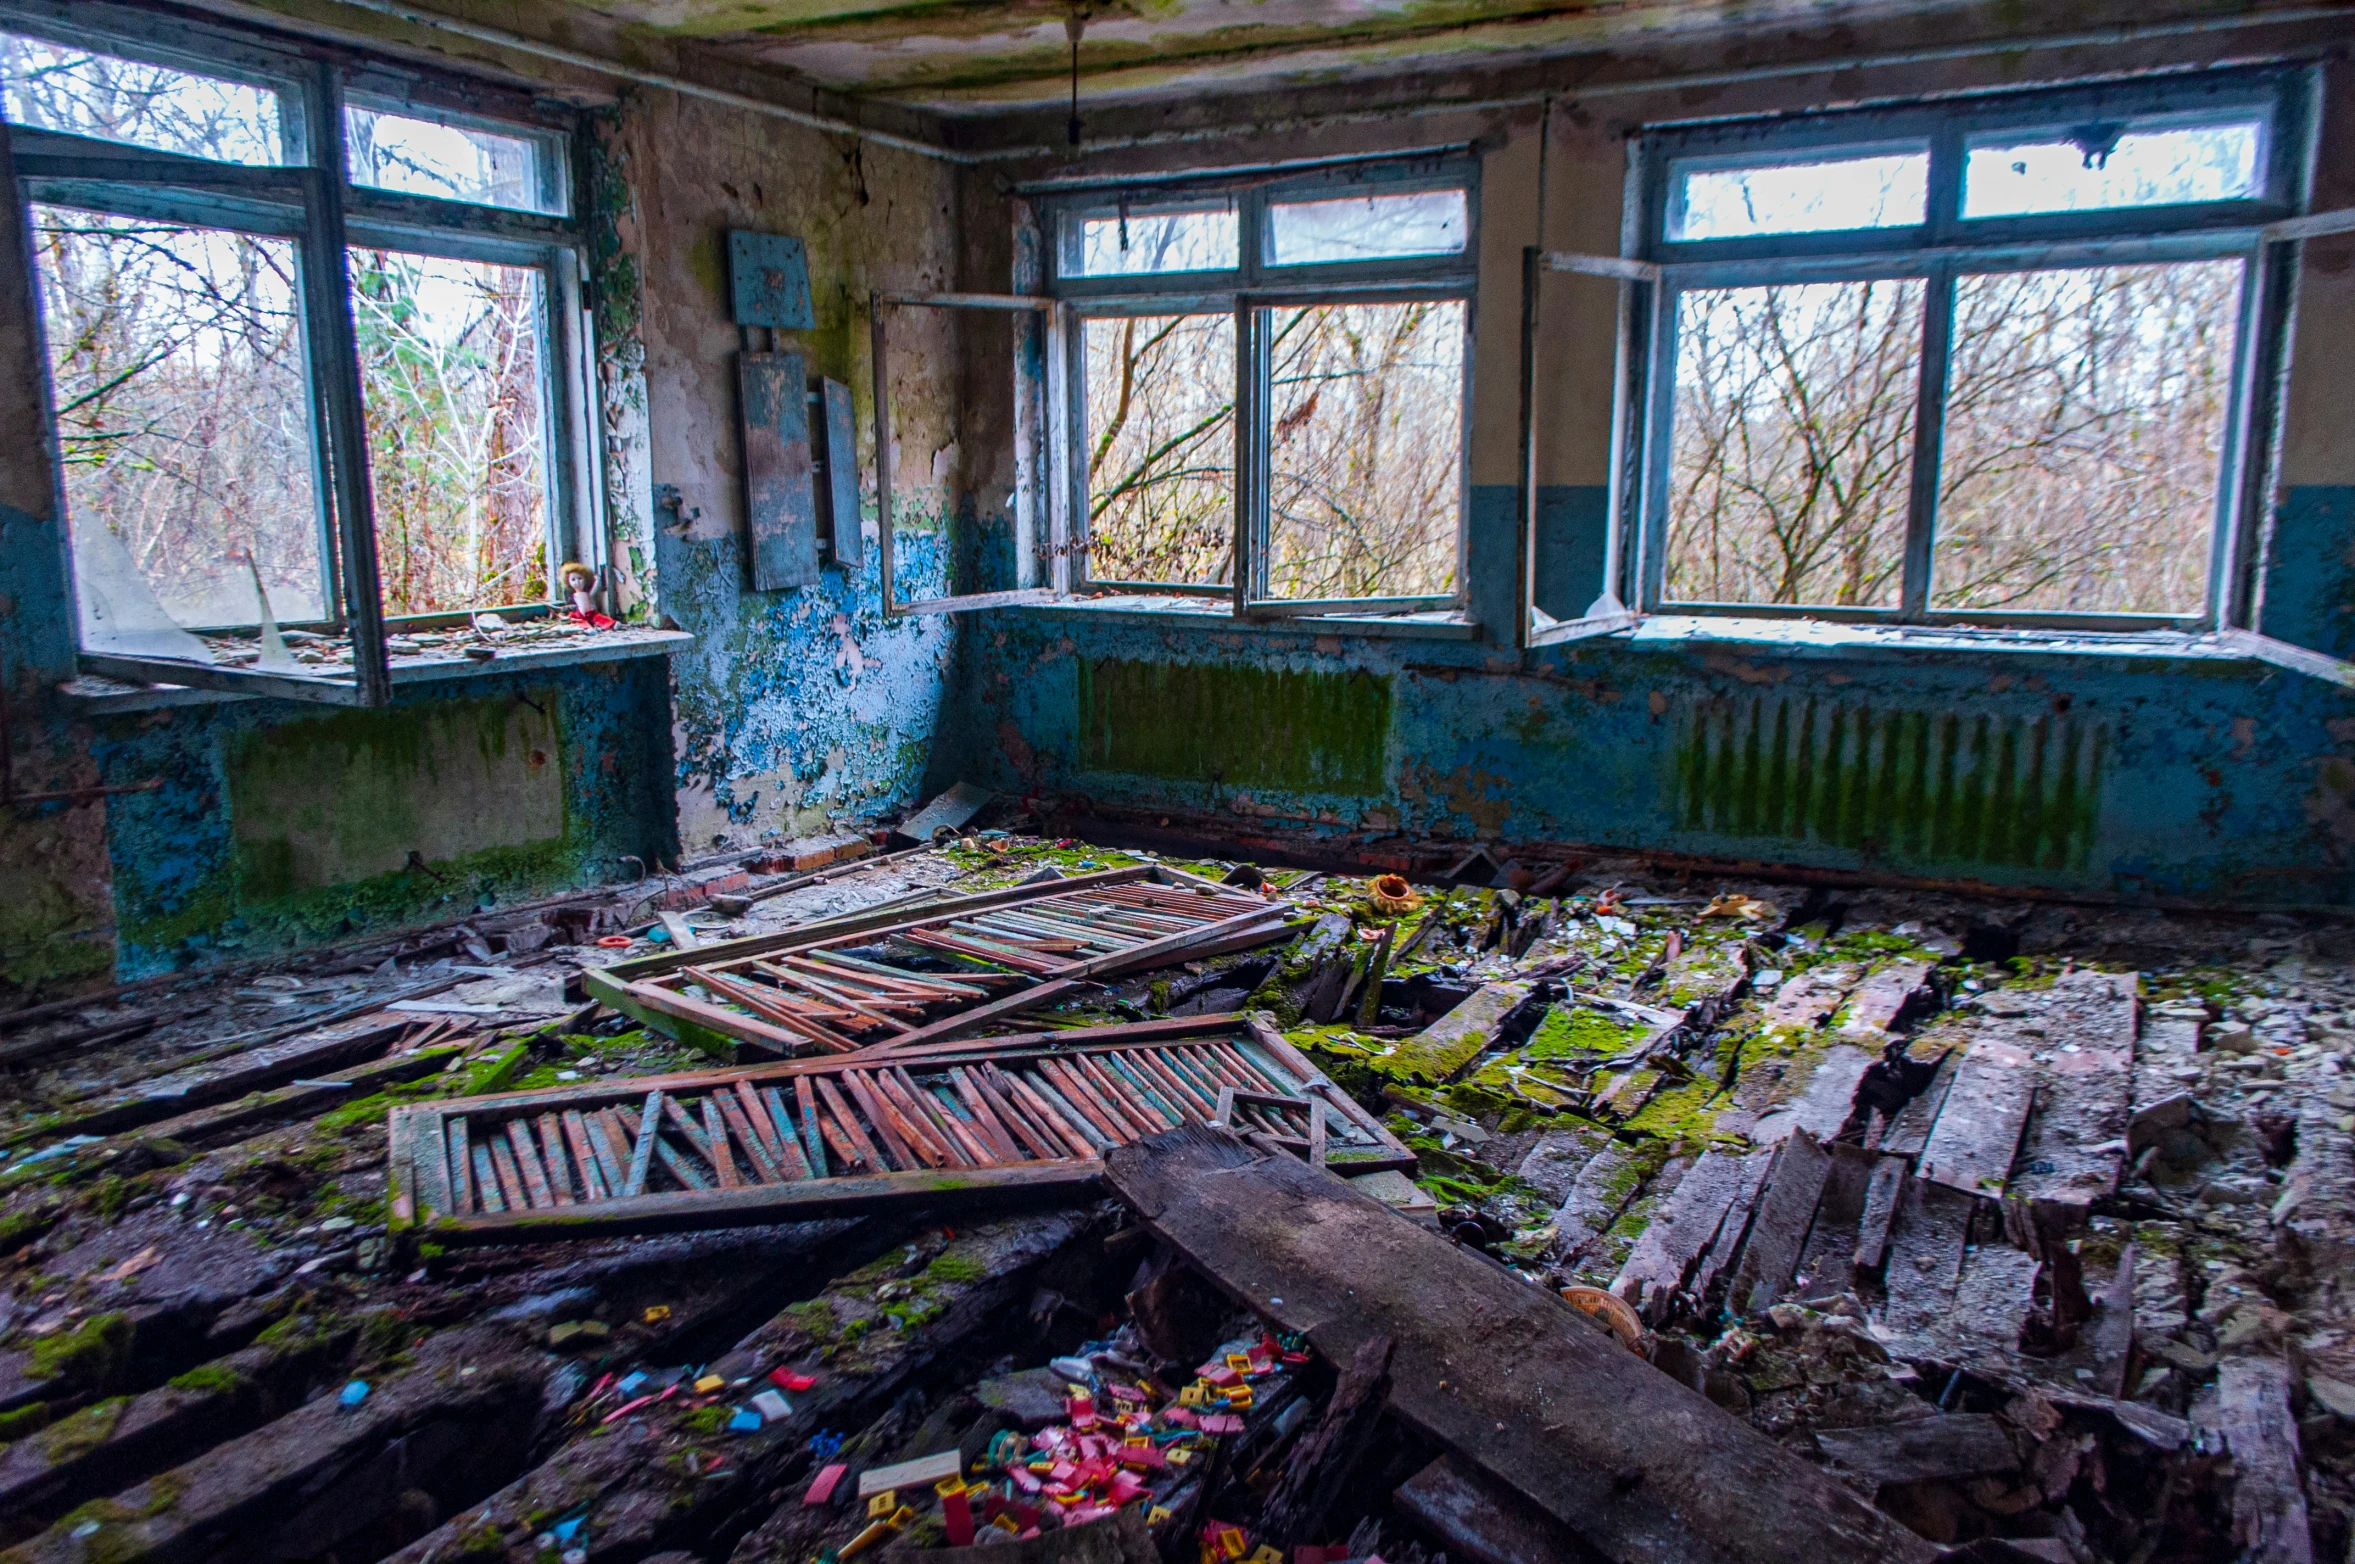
{"points": [[802, 708], [2079, 768], [275, 824]]}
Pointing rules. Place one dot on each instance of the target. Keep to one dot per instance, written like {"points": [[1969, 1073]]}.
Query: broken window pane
{"points": [[183, 421], [457, 429], [2085, 428], [448, 162], [1368, 227], [86, 94], [2104, 166], [1365, 444], [1793, 443], [1161, 448], [1142, 243], [1889, 190]]}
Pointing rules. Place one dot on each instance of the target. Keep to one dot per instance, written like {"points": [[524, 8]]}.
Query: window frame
{"points": [[310, 198], [1944, 247], [1248, 293]]}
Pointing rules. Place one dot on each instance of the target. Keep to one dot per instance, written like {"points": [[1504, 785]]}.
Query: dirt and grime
{"points": [[2026, 1223]]}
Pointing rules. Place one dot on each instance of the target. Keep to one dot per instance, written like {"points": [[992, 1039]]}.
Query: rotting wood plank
{"points": [[2073, 1150], [217, 1126], [1680, 1232], [1886, 996], [1484, 1521], [1734, 1230], [1778, 1232], [1501, 1373], [1924, 1272], [1909, 1131], [1977, 1133], [1922, 1449], [2269, 1523], [1880, 1210]]}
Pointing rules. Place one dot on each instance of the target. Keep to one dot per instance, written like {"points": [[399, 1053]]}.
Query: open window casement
{"points": [[2244, 639], [1042, 500], [1608, 614], [127, 632]]}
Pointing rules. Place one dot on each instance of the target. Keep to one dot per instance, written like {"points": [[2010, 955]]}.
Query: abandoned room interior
{"points": [[1310, 783]]}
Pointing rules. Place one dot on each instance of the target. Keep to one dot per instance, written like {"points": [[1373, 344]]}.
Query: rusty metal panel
{"points": [[839, 441], [1908, 786], [984, 1120], [769, 280], [780, 495]]}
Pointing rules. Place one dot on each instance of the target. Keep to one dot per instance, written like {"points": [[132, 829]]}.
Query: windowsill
{"points": [[1217, 613], [97, 696], [1816, 636]]}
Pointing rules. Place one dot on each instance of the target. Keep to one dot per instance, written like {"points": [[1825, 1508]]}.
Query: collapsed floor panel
{"points": [[2026, 1228]]}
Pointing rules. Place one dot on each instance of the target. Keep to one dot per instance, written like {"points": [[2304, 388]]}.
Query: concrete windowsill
{"points": [[1820, 637], [1207, 613], [97, 696]]}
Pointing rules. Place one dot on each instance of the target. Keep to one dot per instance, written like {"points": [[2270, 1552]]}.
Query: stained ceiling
{"points": [[979, 55]]}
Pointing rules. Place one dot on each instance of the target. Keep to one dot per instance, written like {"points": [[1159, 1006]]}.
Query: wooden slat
{"points": [[839, 1117], [757, 1116], [552, 1156], [991, 1127], [527, 1159], [792, 1018], [790, 1156], [486, 1178], [576, 1133], [715, 1144], [744, 1028], [1044, 1111], [977, 1148], [1121, 1094], [1050, 1074], [613, 1160], [1042, 1141], [731, 1115], [649, 1124], [908, 1120], [462, 1200], [885, 1124], [813, 1140], [510, 1181], [1145, 1087]]}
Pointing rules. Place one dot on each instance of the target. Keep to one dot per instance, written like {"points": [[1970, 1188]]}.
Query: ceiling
{"points": [[980, 55]]}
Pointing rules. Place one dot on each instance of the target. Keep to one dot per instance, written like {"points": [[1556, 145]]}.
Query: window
{"points": [[310, 361], [1335, 311], [1978, 362]]}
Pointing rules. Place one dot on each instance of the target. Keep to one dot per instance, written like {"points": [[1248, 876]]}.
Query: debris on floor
{"points": [[1026, 1195]]}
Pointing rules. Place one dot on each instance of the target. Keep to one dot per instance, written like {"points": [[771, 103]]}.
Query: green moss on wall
{"points": [[1235, 726]]}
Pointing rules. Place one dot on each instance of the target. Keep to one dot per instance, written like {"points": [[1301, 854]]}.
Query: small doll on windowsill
{"points": [[581, 582]]}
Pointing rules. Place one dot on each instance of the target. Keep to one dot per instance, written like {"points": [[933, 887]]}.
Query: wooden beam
{"points": [[1501, 1373]]}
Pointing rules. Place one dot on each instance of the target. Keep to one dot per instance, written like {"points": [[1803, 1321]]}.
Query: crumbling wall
{"points": [[799, 707], [2079, 764]]}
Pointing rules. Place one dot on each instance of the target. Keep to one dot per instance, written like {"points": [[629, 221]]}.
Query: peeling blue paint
{"points": [[2108, 773], [800, 708]]}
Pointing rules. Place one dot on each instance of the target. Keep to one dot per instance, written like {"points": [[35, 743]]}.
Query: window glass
{"points": [[1161, 448], [2104, 166], [1367, 227], [1142, 243], [1793, 443], [184, 422], [450, 374], [1821, 195], [2085, 426], [450, 162], [1366, 442], [85, 94]]}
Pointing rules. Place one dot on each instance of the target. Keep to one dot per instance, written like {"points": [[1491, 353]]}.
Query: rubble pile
{"points": [[840, 1203]]}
